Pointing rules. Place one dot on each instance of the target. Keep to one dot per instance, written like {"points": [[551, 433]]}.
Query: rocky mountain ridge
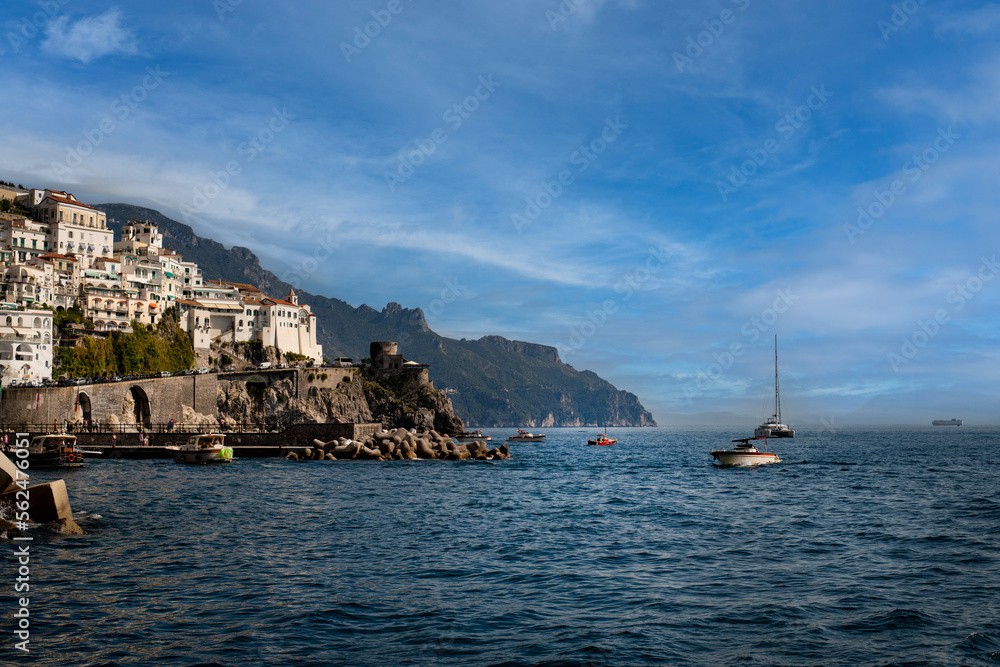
{"points": [[491, 381]]}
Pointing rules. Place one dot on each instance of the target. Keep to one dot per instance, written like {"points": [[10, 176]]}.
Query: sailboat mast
{"points": [[777, 395]]}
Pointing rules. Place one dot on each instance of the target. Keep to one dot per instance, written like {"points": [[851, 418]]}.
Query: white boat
{"points": [[946, 422], [472, 436], [203, 448], [524, 436], [744, 454], [772, 427]]}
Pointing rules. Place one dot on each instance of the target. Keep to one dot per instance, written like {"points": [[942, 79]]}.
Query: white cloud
{"points": [[89, 38]]}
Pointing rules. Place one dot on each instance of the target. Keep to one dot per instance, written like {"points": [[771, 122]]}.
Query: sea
{"points": [[866, 546]]}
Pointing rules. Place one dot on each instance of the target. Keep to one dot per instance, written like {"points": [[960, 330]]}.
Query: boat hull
{"points": [[765, 432], [733, 459], [55, 460], [514, 438], [224, 455]]}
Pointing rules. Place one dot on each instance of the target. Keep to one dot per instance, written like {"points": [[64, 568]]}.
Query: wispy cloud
{"points": [[89, 38]]}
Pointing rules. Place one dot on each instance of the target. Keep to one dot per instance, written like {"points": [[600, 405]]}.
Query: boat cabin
{"points": [[58, 442], [206, 441]]}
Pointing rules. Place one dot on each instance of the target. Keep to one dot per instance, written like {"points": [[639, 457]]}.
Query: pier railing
{"points": [[226, 426]]}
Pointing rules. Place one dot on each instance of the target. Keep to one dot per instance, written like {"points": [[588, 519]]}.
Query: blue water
{"points": [[866, 547]]}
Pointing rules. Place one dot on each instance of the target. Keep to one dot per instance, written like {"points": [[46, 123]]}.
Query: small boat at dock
{"points": [[744, 454], [54, 450], [524, 436], [203, 448]]}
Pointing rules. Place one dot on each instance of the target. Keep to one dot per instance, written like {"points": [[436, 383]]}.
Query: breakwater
{"points": [[133, 444], [401, 444]]}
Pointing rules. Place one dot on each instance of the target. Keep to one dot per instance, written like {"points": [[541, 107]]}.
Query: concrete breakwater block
{"points": [[400, 444], [47, 503], [8, 474]]}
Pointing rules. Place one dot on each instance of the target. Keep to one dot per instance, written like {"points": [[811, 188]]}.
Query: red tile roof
{"points": [[63, 200], [282, 302]]}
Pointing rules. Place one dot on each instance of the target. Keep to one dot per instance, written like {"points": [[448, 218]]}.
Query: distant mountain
{"points": [[491, 381]]}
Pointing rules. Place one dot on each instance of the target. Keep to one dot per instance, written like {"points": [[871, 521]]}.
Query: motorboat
{"points": [[603, 439], [54, 450], [772, 427], [946, 422], [203, 448], [524, 436], [744, 454], [473, 436]]}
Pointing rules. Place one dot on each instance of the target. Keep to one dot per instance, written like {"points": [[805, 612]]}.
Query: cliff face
{"points": [[238, 402], [491, 381], [401, 404]]}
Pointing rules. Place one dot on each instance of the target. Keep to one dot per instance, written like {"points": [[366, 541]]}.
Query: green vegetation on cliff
{"points": [[164, 347]]}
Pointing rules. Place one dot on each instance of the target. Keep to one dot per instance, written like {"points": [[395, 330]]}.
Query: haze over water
{"points": [[867, 546]]}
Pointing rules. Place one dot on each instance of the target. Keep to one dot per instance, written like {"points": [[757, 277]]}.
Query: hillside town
{"points": [[58, 253]]}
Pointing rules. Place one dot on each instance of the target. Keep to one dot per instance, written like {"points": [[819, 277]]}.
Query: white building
{"points": [[25, 344], [236, 312], [74, 227]]}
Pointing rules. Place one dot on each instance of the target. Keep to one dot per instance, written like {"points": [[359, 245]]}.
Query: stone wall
{"points": [[159, 400], [299, 378]]}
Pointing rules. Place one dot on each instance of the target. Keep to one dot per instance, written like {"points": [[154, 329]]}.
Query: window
{"points": [[71, 234]]}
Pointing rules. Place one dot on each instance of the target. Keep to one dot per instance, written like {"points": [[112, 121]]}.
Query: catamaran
{"points": [[772, 427]]}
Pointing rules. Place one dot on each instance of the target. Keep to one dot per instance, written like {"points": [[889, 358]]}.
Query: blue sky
{"points": [[657, 191]]}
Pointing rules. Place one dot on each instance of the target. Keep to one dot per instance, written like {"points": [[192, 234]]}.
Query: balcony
{"points": [[20, 337]]}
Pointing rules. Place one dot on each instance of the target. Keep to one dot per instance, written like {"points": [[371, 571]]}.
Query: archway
{"points": [[141, 407], [84, 402]]}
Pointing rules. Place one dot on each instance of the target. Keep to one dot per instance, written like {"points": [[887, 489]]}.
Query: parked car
{"points": [[201, 371], [264, 366], [164, 374]]}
